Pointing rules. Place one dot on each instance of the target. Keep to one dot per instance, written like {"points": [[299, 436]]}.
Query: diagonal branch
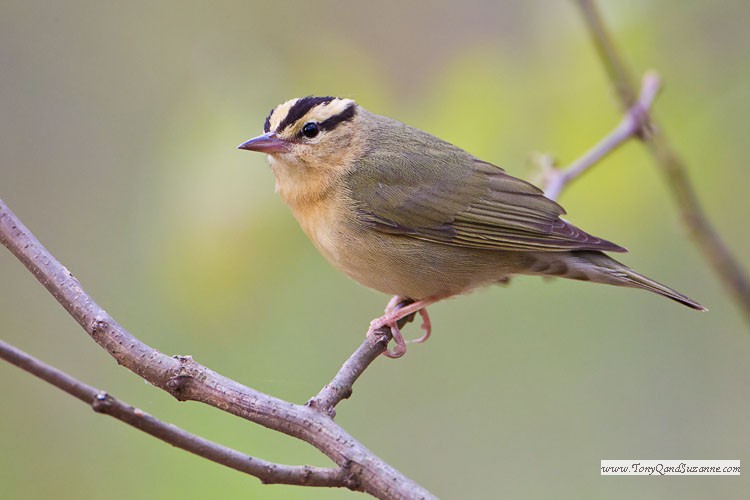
{"points": [[187, 380], [340, 387], [101, 402], [634, 123], [725, 265]]}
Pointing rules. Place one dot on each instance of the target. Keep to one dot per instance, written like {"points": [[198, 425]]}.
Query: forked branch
{"points": [[187, 380], [717, 254], [635, 123], [357, 468], [101, 402]]}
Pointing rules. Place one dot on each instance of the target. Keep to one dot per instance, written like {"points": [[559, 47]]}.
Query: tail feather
{"points": [[640, 281], [620, 274]]}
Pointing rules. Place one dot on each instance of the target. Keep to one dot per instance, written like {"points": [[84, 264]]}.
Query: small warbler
{"points": [[411, 215]]}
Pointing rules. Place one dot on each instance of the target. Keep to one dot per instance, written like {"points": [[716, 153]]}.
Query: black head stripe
{"points": [[267, 124], [335, 120], [300, 109]]}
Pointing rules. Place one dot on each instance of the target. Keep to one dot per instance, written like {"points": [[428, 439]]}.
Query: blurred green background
{"points": [[117, 148]]}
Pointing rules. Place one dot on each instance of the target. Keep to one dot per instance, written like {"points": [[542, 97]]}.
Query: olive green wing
{"points": [[442, 194]]}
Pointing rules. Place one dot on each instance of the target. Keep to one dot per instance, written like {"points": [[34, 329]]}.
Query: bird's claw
{"points": [[383, 321], [392, 316], [426, 326]]}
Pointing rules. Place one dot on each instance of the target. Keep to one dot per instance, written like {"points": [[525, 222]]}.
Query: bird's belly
{"points": [[401, 265]]}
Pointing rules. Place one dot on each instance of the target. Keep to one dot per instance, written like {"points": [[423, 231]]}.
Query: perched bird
{"points": [[411, 215]]}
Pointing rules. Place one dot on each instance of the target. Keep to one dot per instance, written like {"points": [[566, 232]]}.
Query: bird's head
{"points": [[309, 137], [311, 142]]}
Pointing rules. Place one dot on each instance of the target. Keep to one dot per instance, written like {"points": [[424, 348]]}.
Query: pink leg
{"points": [[393, 303], [400, 348], [393, 314], [426, 326]]}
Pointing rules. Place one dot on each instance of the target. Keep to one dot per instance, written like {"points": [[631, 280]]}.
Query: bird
{"points": [[413, 216]]}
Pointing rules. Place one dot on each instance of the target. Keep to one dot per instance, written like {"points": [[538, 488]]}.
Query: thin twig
{"points": [[101, 402], [187, 380], [728, 269], [341, 386], [634, 123]]}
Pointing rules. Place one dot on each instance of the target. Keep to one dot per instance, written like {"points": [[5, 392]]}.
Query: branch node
{"points": [[639, 113], [636, 122], [178, 386], [349, 478], [102, 402], [544, 168], [99, 326], [340, 387], [321, 407]]}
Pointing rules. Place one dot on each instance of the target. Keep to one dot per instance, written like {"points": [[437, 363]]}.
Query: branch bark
{"points": [[101, 402], [187, 380], [358, 468], [714, 250], [340, 387], [634, 123]]}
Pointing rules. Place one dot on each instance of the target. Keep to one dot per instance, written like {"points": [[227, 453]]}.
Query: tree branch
{"points": [[101, 402], [187, 380], [728, 269], [358, 468], [634, 123], [341, 386]]}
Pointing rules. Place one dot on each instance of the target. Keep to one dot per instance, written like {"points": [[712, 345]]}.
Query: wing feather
{"points": [[442, 194]]}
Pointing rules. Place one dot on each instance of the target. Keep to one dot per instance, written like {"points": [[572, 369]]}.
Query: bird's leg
{"points": [[400, 348], [426, 326], [397, 313], [395, 301], [397, 309]]}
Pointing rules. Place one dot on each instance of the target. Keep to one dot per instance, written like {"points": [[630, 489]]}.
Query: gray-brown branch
{"points": [[726, 266], [634, 123], [340, 387], [187, 380], [101, 402]]}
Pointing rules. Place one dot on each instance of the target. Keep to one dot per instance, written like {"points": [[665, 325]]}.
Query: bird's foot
{"points": [[400, 348], [396, 302], [426, 326], [397, 309]]}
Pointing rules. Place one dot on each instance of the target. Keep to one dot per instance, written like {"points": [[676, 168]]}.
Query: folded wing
{"points": [[445, 195]]}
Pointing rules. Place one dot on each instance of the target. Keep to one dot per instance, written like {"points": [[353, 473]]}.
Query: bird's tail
{"points": [[602, 268]]}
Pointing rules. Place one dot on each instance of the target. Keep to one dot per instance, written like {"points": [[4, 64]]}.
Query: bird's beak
{"points": [[267, 143]]}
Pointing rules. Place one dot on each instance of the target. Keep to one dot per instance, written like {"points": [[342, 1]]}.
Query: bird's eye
{"points": [[310, 130]]}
